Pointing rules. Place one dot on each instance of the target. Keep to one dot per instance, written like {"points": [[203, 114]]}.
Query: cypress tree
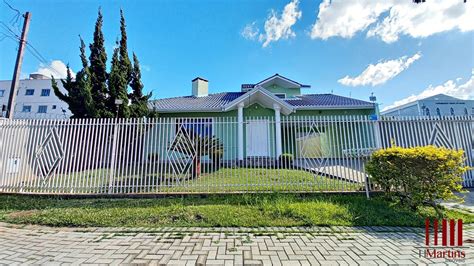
{"points": [[139, 102], [84, 84], [98, 69], [78, 97], [117, 83], [125, 64]]}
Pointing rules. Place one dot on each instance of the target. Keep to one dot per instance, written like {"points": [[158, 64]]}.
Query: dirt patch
{"points": [[22, 214]]}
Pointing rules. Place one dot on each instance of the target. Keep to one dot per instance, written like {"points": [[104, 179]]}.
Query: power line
{"points": [[15, 20], [33, 51], [6, 27]]}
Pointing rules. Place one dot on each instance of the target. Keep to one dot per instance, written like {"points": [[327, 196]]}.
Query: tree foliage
{"points": [[419, 175], [94, 91], [79, 96]]}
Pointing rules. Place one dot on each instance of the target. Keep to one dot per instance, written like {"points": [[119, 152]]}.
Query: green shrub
{"points": [[419, 175], [286, 160]]}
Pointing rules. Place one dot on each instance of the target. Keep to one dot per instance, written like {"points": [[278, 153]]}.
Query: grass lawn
{"points": [[261, 179], [226, 210], [223, 180]]}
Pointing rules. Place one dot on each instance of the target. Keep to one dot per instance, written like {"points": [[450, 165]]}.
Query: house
{"points": [[35, 99], [437, 105], [257, 121]]}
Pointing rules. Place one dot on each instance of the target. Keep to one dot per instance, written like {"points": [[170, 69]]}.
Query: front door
{"points": [[257, 138]]}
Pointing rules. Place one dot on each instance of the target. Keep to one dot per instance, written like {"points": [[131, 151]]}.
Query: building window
{"points": [[466, 112], [280, 95], [54, 107], [195, 126], [45, 92], [26, 108], [451, 110], [427, 111], [2, 93], [42, 109], [438, 112], [30, 92]]}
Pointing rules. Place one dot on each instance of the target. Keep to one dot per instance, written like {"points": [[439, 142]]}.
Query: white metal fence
{"points": [[210, 155]]}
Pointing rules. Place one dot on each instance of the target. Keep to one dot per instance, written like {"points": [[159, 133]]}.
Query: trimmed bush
{"points": [[419, 175]]}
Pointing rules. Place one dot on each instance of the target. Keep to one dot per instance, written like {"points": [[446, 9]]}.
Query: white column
{"points": [[240, 131], [277, 130]]}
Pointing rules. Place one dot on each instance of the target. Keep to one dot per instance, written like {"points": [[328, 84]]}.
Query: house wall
{"points": [[290, 92], [53, 103], [332, 140], [445, 105], [411, 110], [442, 102]]}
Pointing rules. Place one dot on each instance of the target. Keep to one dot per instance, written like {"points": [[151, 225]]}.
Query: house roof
{"points": [[219, 101], [262, 96], [210, 103], [277, 78], [314, 101]]}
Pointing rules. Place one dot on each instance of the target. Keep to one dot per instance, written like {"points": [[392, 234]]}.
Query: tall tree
{"points": [[84, 84], [98, 69], [118, 87], [94, 91], [139, 102], [125, 64], [78, 97]]}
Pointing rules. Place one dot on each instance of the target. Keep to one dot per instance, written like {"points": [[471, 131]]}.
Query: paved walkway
{"points": [[467, 205], [222, 246]]}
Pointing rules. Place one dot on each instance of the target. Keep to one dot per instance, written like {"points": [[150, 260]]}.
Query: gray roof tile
{"points": [[326, 100], [192, 103], [215, 102]]}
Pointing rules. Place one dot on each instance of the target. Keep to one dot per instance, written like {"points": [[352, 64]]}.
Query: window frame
{"points": [[25, 106], [44, 90], [2, 93], [284, 95], [209, 121], [45, 109]]}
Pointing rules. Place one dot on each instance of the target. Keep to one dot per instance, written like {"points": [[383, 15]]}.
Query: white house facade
{"points": [[437, 105], [35, 99]]}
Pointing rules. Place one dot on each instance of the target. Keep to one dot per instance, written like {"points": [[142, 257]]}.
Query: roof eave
{"points": [[337, 107], [208, 110]]}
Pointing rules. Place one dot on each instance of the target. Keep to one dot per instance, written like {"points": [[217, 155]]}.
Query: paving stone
{"points": [[217, 246]]}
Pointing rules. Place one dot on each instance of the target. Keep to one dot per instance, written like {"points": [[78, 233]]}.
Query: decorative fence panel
{"points": [[210, 155]]}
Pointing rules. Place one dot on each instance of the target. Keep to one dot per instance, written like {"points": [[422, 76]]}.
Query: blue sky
{"points": [[235, 42]]}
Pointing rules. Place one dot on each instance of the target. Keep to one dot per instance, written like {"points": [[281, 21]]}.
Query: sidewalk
{"points": [[467, 205], [217, 246]]}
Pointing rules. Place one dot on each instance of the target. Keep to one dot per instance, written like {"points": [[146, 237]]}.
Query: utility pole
{"points": [[17, 71]]}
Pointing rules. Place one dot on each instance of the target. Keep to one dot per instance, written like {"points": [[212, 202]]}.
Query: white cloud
{"points": [[276, 26], [390, 19], [345, 18], [56, 68], [381, 72], [250, 31], [450, 87], [280, 28]]}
